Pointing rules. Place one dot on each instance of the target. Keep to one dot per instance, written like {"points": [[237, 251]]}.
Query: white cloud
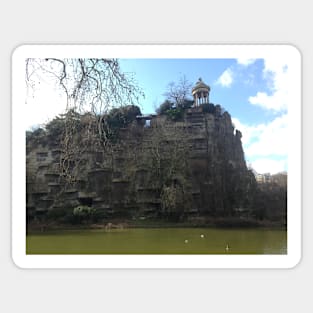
{"points": [[249, 79], [266, 165], [276, 74], [250, 133], [265, 145], [245, 61], [226, 79], [272, 140]]}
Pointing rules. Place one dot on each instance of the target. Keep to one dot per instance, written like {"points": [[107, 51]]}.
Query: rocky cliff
{"points": [[155, 167]]}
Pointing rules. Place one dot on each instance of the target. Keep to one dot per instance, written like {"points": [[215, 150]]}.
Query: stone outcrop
{"points": [[191, 167]]}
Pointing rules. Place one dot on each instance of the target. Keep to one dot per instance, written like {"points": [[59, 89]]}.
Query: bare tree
{"points": [[87, 85], [178, 92], [167, 155]]}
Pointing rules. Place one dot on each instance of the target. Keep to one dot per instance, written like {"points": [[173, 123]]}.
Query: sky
{"points": [[253, 91]]}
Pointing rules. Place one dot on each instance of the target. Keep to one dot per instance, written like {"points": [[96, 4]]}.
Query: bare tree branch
{"points": [[88, 85], [178, 92]]}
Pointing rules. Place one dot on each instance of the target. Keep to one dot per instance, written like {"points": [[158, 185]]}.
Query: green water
{"points": [[159, 241]]}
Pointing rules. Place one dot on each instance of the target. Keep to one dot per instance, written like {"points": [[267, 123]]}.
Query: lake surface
{"points": [[159, 241]]}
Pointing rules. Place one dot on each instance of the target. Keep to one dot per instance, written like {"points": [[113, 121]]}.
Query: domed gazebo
{"points": [[200, 93]]}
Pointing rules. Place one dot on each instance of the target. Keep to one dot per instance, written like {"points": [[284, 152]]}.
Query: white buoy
{"points": [[202, 236], [186, 241], [227, 247]]}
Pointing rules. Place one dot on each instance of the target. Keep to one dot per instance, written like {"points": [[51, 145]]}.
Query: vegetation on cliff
{"points": [[191, 169], [98, 164]]}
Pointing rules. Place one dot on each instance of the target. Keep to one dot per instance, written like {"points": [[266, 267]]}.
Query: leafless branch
{"points": [[88, 85]]}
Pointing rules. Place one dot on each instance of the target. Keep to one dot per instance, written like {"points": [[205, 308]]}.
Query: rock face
{"points": [[191, 167]]}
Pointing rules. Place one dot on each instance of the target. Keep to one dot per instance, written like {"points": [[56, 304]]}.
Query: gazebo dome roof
{"points": [[200, 85]]}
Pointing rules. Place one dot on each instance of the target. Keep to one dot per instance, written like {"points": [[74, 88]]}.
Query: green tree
{"points": [[116, 119], [165, 107]]}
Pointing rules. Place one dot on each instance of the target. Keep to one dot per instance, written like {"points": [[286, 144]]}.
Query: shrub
{"points": [[83, 210], [165, 107], [129, 113], [175, 114], [83, 213], [118, 118], [208, 108], [187, 104], [56, 127]]}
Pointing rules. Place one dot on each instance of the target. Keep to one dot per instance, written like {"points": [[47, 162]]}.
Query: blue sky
{"points": [[153, 75], [253, 91]]}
